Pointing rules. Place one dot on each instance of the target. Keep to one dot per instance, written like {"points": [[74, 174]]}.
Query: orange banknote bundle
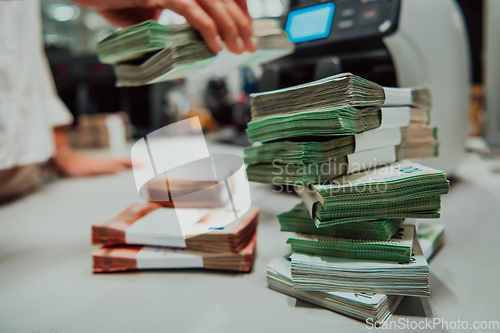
{"points": [[188, 193], [151, 224], [149, 236], [124, 258]]}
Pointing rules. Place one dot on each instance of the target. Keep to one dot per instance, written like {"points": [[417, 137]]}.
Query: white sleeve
{"points": [[29, 105], [56, 111]]}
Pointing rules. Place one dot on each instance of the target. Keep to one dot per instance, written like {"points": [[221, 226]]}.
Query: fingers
{"points": [[76, 165], [106, 166], [103, 167], [201, 21], [128, 16], [106, 169], [214, 19], [225, 24], [244, 8], [244, 24], [126, 162]]}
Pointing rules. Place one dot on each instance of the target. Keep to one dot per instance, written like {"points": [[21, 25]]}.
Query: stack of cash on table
{"points": [[363, 306], [149, 52], [146, 236], [341, 142]]}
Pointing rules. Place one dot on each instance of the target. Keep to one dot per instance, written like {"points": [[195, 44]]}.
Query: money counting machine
{"points": [[392, 42]]}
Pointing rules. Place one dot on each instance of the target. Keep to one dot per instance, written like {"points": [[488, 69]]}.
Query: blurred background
{"points": [[222, 99]]}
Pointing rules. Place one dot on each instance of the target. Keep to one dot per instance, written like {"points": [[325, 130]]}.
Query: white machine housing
{"points": [[431, 48]]}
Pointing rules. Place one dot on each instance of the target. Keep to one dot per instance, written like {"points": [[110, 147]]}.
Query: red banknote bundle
{"points": [[148, 236]]}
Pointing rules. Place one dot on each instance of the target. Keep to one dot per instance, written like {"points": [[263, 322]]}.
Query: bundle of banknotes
{"points": [[188, 193], [299, 220], [150, 52], [401, 190], [148, 236], [360, 275], [398, 248], [431, 238], [316, 132], [337, 91]]}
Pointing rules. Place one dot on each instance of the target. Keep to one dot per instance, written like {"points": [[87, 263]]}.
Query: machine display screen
{"points": [[310, 23]]}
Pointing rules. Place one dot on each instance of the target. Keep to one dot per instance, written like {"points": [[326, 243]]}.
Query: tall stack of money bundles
{"points": [[343, 143]]}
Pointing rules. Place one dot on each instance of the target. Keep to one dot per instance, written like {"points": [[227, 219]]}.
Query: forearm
{"points": [[61, 141], [122, 13], [115, 4]]}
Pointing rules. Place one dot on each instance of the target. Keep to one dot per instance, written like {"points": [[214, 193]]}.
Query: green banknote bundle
{"points": [[300, 151], [398, 248], [299, 162], [184, 60], [418, 141], [167, 64], [362, 306], [329, 274], [325, 122], [150, 52], [431, 238], [298, 174], [417, 150], [338, 91], [420, 115], [299, 220], [418, 133], [139, 41], [400, 190]]}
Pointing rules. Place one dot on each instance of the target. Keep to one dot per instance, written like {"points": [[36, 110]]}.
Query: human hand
{"points": [[218, 21], [73, 164]]}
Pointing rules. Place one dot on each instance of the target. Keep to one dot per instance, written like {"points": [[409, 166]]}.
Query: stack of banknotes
{"points": [[364, 246], [377, 307], [149, 52], [343, 142], [146, 236], [361, 268], [315, 132], [351, 235]]}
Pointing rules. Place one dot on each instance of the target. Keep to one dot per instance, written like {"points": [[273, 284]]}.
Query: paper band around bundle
{"points": [[377, 139], [370, 159], [151, 257], [393, 117], [397, 96]]}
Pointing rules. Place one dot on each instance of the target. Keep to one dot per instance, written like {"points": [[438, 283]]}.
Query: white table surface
{"points": [[46, 283]]}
